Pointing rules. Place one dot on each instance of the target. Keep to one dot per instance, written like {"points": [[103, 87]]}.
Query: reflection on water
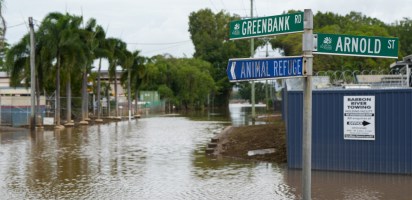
{"points": [[240, 113], [153, 158], [345, 185], [161, 158]]}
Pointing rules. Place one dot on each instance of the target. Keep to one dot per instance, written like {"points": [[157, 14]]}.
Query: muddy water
{"points": [[161, 158]]}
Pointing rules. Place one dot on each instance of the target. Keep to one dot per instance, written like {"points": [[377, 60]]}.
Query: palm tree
{"points": [[94, 37], [61, 41], [60, 45], [18, 65], [116, 54], [17, 61], [3, 26], [73, 59], [127, 64], [135, 76]]}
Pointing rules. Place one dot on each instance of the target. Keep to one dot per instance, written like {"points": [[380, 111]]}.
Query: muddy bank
{"points": [[238, 141]]}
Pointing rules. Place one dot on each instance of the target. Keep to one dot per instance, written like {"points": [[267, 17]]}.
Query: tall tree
{"points": [[209, 34], [137, 76], [402, 29], [127, 63], [60, 38], [186, 83], [94, 36], [115, 48], [74, 56], [3, 26], [135, 73]]}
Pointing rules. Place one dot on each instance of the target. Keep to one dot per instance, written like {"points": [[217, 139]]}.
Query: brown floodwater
{"points": [[162, 157]]}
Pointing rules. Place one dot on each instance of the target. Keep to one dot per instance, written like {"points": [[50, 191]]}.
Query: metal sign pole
{"points": [[307, 47]]}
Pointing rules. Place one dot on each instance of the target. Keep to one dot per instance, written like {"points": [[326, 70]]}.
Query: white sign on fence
{"points": [[359, 117], [48, 120]]}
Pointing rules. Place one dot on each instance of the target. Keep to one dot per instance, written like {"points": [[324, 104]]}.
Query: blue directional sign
{"points": [[245, 69]]}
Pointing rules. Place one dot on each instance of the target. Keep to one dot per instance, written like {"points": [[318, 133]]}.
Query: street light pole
{"points": [[266, 83], [33, 76], [252, 53]]}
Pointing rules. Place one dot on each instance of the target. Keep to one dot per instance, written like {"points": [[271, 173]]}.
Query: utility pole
{"points": [[252, 53], [307, 47], [129, 93], [266, 84], [33, 76]]}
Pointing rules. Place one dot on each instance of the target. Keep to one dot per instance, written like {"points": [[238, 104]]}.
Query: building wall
{"points": [[4, 79], [390, 152], [15, 106]]}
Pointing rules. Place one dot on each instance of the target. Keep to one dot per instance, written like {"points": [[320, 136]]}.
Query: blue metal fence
{"points": [[390, 152], [17, 115]]}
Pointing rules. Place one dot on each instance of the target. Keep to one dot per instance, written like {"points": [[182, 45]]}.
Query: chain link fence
{"points": [[15, 110]]}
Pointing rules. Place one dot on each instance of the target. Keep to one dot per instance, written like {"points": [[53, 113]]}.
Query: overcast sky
{"points": [[161, 26]]}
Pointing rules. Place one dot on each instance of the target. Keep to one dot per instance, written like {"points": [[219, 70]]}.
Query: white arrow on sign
{"points": [[232, 70]]}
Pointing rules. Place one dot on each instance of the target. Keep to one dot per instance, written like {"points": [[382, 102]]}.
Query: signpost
{"points": [[359, 117], [272, 68], [359, 124], [307, 48], [245, 69], [349, 45], [264, 26]]}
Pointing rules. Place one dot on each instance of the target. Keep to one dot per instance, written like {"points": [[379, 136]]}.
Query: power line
{"points": [[224, 6], [244, 8], [255, 8], [147, 52], [213, 5], [23, 23], [163, 43]]}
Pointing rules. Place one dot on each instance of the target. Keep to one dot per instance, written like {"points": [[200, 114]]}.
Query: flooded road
{"points": [[161, 158]]}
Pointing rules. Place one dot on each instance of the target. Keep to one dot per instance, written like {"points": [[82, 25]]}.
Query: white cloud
{"points": [[165, 21]]}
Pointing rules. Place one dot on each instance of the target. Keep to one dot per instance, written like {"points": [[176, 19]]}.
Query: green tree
{"points": [[74, 57], [127, 63], [3, 26], [94, 37], [115, 48], [353, 23], [402, 29], [245, 91], [209, 34], [184, 82], [17, 61], [133, 75], [61, 46]]}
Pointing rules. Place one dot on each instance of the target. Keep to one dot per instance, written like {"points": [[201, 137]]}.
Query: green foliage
{"points": [[3, 53], [245, 89], [18, 60], [402, 29], [353, 23], [185, 82], [209, 34]]}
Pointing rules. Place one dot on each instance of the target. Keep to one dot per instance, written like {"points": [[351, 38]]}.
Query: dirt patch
{"points": [[237, 141]]}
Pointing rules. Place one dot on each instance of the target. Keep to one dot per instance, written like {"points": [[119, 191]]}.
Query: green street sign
{"points": [[349, 45], [265, 26]]}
